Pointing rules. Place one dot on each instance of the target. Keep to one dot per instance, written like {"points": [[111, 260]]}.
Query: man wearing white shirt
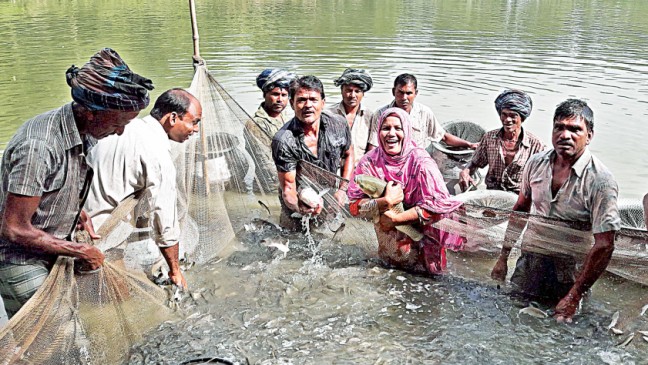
{"points": [[140, 159], [425, 126]]}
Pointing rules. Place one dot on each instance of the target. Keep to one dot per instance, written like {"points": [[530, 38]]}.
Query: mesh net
{"points": [[484, 221], [224, 171], [85, 318]]}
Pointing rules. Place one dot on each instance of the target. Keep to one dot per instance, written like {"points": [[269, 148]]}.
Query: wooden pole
{"points": [[198, 61], [194, 30]]}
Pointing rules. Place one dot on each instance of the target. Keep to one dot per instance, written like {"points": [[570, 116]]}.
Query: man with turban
{"points": [[425, 127], [45, 176], [505, 150], [353, 84], [271, 116]]}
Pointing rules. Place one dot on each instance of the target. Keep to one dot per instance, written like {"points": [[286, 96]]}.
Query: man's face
{"points": [[511, 120], [107, 122], [276, 100], [352, 95], [308, 105], [570, 137], [404, 96], [182, 128]]}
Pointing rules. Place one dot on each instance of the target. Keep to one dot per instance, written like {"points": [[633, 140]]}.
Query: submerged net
{"points": [[486, 223], [90, 318]]}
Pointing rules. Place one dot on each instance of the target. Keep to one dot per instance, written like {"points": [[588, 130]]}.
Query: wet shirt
{"points": [[46, 159], [138, 159], [264, 127], [490, 153], [589, 195], [359, 129], [425, 126], [334, 140]]}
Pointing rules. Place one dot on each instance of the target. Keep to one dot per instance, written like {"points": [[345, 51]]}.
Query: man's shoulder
{"points": [[285, 134], [540, 158], [601, 174], [333, 118]]}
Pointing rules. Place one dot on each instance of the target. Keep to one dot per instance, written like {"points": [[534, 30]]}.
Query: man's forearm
{"points": [[170, 255], [596, 262], [452, 140], [36, 240]]}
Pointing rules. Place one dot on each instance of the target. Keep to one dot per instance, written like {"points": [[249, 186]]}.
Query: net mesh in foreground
{"points": [[91, 318], [484, 222]]}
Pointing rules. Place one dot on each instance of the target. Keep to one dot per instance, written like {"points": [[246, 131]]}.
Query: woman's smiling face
{"points": [[392, 135]]}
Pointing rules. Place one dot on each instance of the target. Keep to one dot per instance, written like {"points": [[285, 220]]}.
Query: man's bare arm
{"points": [[595, 264], [452, 140], [288, 184], [17, 228], [170, 255]]}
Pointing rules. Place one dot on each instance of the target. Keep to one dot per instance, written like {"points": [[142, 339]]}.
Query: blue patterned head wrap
{"points": [[516, 100]]}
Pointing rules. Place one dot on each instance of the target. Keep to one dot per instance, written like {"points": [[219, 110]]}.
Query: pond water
{"points": [[342, 307]]}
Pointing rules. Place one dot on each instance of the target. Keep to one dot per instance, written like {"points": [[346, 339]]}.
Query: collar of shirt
{"points": [[526, 140], [579, 166], [156, 128], [261, 113], [71, 135], [415, 107], [339, 109]]}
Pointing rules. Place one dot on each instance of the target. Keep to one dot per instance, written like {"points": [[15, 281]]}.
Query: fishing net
{"points": [[223, 172], [85, 318], [451, 160], [486, 223]]}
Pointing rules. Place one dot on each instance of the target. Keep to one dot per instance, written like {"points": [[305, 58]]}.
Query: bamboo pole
{"points": [[198, 61]]}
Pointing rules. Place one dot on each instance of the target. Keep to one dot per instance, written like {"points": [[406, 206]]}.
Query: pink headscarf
{"points": [[412, 168]]}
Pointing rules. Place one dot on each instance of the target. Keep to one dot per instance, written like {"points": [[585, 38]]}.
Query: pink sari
{"points": [[423, 186]]}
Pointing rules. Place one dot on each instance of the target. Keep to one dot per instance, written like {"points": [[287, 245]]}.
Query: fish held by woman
{"points": [[375, 188]]}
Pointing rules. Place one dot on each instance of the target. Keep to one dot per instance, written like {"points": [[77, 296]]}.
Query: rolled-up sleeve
{"points": [[282, 153]]}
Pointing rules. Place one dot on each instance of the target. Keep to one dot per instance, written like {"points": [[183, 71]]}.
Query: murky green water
{"points": [[345, 309]]}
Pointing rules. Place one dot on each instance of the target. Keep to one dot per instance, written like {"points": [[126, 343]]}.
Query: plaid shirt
{"points": [[46, 159], [490, 153]]}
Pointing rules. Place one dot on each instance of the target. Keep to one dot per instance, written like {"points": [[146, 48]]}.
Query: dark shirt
{"points": [[334, 140]]}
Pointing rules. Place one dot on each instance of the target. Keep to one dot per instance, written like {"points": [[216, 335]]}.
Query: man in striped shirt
{"points": [[45, 176]]}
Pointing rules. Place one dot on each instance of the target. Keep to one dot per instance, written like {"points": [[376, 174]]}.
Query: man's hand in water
{"points": [[305, 209], [341, 198], [178, 279], [566, 308], [500, 269]]}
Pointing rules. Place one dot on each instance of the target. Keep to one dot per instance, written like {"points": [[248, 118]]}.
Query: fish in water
{"points": [[375, 188], [644, 309], [533, 312], [627, 340], [283, 247], [265, 206], [615, 319]]}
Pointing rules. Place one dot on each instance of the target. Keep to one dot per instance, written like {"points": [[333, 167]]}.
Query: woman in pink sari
{"points": [[413, 178]]}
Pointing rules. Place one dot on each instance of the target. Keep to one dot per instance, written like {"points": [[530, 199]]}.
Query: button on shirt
{"points": [[46, 159], [359, 129], [334, 139], [138, 159], [589, 195], [489, 153], [425, 126]]}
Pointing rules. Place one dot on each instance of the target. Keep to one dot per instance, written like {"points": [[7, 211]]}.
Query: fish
{"points": [[310, 197], [265, 206], [643, 310], [533, 312], [617, 331], [626, 341], [375, 188], [643, 333], [615, 319], [277, 244]]}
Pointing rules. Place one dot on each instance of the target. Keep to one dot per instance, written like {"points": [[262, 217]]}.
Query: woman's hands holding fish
{"points": [[388, 220], [393, 194]]}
